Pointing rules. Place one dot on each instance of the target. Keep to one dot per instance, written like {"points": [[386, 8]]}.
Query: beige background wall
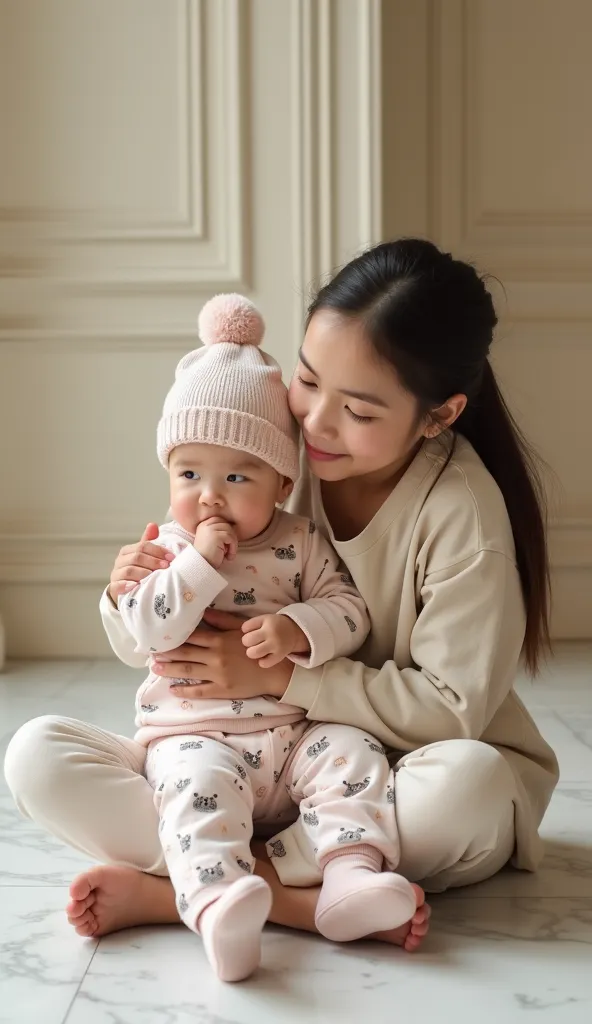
{"points": [[488, 150], [155, 153]]}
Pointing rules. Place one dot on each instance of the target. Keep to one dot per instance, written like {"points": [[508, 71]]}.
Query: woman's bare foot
{"points": [[411, 935], [106, 899]]}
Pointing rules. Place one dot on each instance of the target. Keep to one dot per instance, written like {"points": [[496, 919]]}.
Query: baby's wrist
{"points": [[207, 555], [301, 643]]}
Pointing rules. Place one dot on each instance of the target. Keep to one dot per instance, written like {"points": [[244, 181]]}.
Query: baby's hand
{"points": [[271, 638], [215, 540]]}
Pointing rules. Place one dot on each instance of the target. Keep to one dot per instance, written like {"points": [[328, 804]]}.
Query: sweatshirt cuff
{"points": [[317, 632], [107, 607], [303, 687], [197, 573]]}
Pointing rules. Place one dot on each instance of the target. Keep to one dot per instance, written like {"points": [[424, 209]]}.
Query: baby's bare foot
{"points": [[106, 899], [410, 935]]}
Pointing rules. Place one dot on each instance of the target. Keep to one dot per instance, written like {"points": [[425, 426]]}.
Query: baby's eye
{"points": [[189, 474], [235, 478]]}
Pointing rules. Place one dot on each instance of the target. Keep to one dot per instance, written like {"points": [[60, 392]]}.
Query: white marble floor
{"points": [[515, 944]]}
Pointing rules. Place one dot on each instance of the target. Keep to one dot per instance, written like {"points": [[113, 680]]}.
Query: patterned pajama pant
{"points": [[212, 790]]}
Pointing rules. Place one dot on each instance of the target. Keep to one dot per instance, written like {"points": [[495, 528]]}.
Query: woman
{"points": [[419, 476]]}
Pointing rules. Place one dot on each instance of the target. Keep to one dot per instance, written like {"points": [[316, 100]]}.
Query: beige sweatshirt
{"points": [[436, 568]]}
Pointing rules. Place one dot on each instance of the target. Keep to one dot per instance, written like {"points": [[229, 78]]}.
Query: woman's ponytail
{"points": [[496, 437]]}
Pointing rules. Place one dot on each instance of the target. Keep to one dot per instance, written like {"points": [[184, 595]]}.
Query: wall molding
{"points": [[552, 244], [570, 543], [96, 342], [207, 246], [57, 560], [318, 113], [313, 144], [190, 224], [29, 558], [370, 114], [478, 216]]}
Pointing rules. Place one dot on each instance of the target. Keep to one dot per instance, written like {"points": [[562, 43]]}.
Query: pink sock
{"points": [[231, 928], [358, 899]]}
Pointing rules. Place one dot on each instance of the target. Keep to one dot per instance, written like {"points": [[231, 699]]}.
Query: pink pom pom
{"points": [[231, 318]]}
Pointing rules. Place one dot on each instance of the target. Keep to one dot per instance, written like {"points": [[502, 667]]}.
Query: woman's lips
{"points": [[319, 454]]}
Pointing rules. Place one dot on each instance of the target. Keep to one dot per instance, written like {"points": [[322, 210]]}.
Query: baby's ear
{"points": [[285, 489]]}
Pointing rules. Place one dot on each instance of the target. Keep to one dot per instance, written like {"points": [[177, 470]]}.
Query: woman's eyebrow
{"points": [[304, 360], [363, 396]]}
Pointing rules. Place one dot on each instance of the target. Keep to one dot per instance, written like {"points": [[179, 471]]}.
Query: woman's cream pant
{"points": [[454, 801]]}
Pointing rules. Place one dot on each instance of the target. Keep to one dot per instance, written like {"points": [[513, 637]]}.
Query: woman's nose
{"points": [[318, 423]]}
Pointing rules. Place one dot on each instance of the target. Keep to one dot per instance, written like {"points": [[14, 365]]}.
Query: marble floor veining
{"points": [[503, 949]]}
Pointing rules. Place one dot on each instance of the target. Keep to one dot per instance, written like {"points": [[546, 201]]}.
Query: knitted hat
{"points": [[230, 392]]}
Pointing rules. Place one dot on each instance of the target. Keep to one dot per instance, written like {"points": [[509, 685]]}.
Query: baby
{"points": [[230, 444]]}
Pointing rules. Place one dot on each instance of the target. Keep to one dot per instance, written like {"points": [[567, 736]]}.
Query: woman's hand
{"points": [[136, 561], [217, 656]]}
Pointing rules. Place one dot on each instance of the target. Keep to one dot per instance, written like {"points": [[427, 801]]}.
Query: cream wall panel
{"points": [[485, 108], [537, 105], [510, 171], [146, 139]]}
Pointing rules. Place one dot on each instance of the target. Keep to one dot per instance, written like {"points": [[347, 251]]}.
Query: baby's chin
{"points": [[250, 531]]}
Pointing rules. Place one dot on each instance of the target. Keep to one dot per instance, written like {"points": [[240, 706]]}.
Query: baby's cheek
{"points": [[183, 508]]}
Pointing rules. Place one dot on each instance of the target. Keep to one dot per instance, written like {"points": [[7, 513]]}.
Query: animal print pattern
{"points": [[376, 748], [205, 828], [353, 788], [317, 748], [254, 760], [205, 804], [359, 794], [350, 835], [208, 876], [285, 554], [160, 606], [277, 848]]}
